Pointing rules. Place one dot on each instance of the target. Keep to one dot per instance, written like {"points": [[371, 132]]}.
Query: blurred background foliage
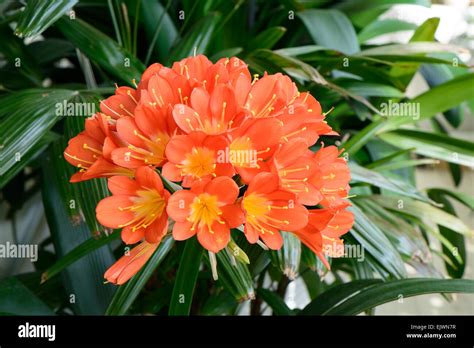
{"points": [[75, 51]]}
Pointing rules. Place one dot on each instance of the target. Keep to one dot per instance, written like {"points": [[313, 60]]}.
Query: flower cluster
{"points": [[239, 147]]}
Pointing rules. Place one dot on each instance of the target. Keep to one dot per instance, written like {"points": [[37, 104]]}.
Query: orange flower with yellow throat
{"points": [[204, 150]]}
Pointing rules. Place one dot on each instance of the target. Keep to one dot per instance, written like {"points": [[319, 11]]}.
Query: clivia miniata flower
{"points": [[237, 146]]}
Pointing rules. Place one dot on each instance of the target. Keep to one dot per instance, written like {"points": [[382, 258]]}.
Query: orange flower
{"points": [[212, 114], [302, 118], [144, 138], [332, 176], [294, 165], [86, 151], [269, 209], [121, 104], [129, 264], [324, 229], [194, 157], [270, 95], [208, 209], [136, 205], [252, 144]]}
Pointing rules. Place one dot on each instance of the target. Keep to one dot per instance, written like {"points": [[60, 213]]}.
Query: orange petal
{"points": [[182, 230], [233, 215], [157, 230], [263, 183], [122, 185], [127, 158], [217, 240], [128, 131], [178, 205], [148, 178], [171, 172], [273, 241], [109, 214], [129, 236], [224, 188]]}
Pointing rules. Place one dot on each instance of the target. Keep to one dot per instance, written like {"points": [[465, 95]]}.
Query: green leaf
{"points": [[25, 120], [377, 294], [432, 145], [32, 154], [409, 48], [362, 137], [275, 302], [461, 197], [76, 254], [102, 50], [197, 39], [17, 299], [370, 89], [128, 292], [84, 278], [423, 210], [374, 242], [331, 29], [39, 15], [455, 267], [186, 278], [331, 297], [160, 30], [267, 38], [361, 174], [363, 12], [384, 26]]}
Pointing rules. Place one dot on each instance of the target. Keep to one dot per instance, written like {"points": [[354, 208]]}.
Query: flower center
{"points": [[198, 163], [155, 152], [147, 207], [204, 211], [242, 154], [257, 209]]}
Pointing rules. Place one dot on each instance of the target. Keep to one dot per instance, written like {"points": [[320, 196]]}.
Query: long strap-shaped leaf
{"points": [[373, 294], [128, 292], [186, 277], [39, 15], [277, 304], [335, 294], [76, 254]]}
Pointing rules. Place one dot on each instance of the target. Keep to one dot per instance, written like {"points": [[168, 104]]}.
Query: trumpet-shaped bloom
{"points": [[332, 176], [252, 144], [129, 264], [269, 209], [208, 209], [324, 229], [194, 157], [211, 113], [87, 151], [138, 206]]}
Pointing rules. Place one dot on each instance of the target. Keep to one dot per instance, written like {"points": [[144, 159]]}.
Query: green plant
{"points": [[321, 45]]}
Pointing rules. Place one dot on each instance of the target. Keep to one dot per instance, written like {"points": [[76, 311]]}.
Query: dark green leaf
{"points": [[186, 278], [39, 15], [276, 303], [16, 299], [331, 29], [101, 49]]}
